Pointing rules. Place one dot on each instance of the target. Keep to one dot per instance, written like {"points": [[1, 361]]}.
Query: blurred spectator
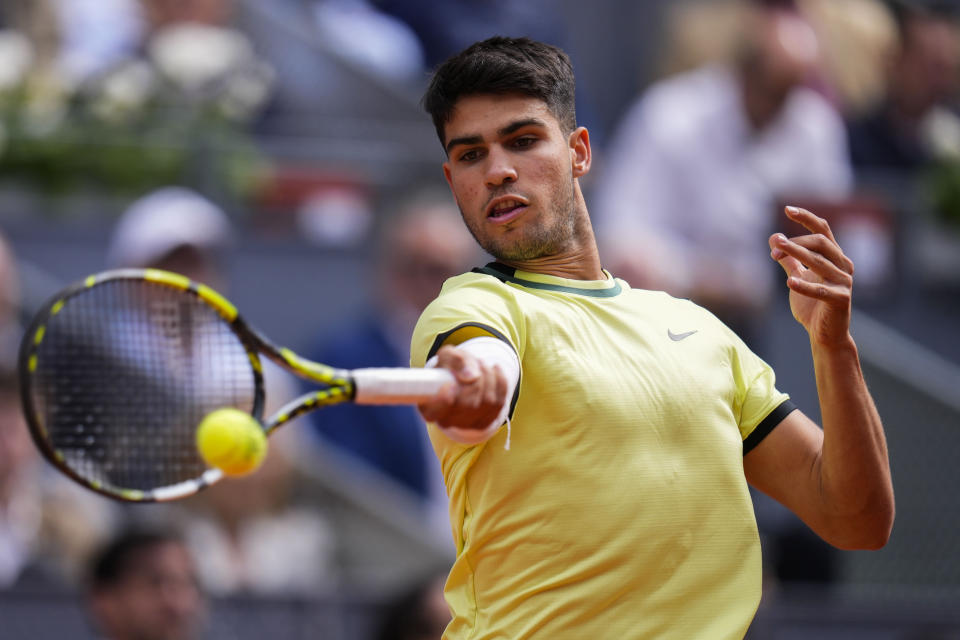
{"points": [[179, 230], [174, 229], [164, 13], [9, 304], [419, 613], [257, 534], [447, 26], [702, 160], [910, 126], [19, 517], [420, 246], [143, 586], [857, 38], [697, 33], [247, 534], [377, 42], [94, 35], [47, 524]]}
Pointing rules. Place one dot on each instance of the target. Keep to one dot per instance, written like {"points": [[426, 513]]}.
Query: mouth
{"points": [[505, 208]]}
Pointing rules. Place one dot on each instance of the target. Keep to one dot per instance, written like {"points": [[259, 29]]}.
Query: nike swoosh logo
{"points": [[677, 337]]}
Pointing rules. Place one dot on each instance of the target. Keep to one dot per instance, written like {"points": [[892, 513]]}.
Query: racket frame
{"points": [[338, 383]]}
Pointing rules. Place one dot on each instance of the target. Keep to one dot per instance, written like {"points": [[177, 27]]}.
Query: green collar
{"points": [[594, 288]]}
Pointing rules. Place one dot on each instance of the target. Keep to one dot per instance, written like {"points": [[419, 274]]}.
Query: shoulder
{"points": [[471, 299], [661, 302], [472, 289]]}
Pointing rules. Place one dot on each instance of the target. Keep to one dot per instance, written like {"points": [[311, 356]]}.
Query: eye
{"points": [[524, 141], [470, 155]]}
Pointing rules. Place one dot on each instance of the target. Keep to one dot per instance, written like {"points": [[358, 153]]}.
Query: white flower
{"points": [[125, 90], [246, 91], [16, 57], [194, 56], [941, 131]]}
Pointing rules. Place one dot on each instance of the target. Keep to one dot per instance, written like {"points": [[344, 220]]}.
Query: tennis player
{"points": [[598, 445]]}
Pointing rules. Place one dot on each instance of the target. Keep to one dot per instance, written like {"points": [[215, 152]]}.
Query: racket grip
{"points": [[398, 385]]}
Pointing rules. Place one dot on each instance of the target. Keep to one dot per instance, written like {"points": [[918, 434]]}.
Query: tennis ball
{"points": [[232, 441]]}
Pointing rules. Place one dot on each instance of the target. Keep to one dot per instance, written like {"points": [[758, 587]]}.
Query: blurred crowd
{"points": [[849, 107]]}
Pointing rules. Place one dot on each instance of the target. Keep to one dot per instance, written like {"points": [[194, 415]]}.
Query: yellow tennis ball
{"points": [[232, 441]]}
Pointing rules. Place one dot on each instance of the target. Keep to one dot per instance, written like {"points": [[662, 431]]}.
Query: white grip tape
{"points": [[397, 385]]}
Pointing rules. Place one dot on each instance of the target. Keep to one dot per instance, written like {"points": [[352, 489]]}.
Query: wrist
{"points": [[844, 345]]}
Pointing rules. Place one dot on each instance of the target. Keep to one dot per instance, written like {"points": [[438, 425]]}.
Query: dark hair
{"points": [[905, 12], [501, 65], [118, 558]]}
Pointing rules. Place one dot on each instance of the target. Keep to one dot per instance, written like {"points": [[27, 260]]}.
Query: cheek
{"points": [[553, 179], [465, 192]]}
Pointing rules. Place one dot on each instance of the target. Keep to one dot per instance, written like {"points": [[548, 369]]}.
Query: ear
{"points": [[580, 155]]}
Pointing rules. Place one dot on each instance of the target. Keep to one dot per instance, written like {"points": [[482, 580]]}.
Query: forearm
{"points": [[853, 467]]}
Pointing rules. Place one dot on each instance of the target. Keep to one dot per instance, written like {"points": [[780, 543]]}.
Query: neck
{"points": [[579, 260]]}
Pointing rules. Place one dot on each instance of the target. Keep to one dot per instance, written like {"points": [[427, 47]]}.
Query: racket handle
{"points": [[398, 385]]}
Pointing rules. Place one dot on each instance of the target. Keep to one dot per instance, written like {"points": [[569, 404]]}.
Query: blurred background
{"points": [[276, 149]]}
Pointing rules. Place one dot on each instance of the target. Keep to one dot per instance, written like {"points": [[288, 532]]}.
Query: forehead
{"points": [[485, 114]]}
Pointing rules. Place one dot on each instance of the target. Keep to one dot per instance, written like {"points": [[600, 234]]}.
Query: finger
{"points": [[830, 293], [790, 265], [471, 395], [461, 364], [828, 248], [497, 391], [814, 261], [808, 220], [440, 406], [502, 386]]}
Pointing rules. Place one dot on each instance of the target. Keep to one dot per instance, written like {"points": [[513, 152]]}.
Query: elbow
{"points": [[870, 533], [882, 530], [873, 540]]}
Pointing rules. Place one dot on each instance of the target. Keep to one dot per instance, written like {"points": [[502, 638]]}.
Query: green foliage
{"points": [[139, 126], [943, 182]]}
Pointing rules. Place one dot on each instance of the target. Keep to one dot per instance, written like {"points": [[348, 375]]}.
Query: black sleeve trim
{"points": [[442, 337], [767, 425]]}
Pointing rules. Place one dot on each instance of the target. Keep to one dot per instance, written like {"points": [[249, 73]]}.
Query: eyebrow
{"points": [[505, 131]]}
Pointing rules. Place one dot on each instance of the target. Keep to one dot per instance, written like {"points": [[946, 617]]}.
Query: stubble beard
{"points": [[534, 240]]}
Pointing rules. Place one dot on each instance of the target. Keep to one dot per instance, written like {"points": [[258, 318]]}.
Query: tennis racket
{"points": [[118, 370]]}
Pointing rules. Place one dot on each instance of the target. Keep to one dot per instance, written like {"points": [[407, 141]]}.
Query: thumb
{"points": [[790, 265]]}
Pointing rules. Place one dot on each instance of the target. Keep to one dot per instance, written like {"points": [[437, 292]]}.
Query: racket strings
{"points": [[125, 372]]}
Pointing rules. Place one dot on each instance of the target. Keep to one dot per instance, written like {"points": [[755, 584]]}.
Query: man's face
{"points": [[510, 167], [929, 64], [159, 599]]}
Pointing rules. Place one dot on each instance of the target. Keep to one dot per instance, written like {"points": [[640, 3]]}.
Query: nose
{"points": [[500, 168]]}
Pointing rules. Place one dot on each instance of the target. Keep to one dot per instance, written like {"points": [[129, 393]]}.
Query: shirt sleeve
{"points": [[759, 405], [469, 306]]}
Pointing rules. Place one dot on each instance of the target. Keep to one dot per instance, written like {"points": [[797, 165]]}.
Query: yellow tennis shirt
{"points": [[620, 509]]}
